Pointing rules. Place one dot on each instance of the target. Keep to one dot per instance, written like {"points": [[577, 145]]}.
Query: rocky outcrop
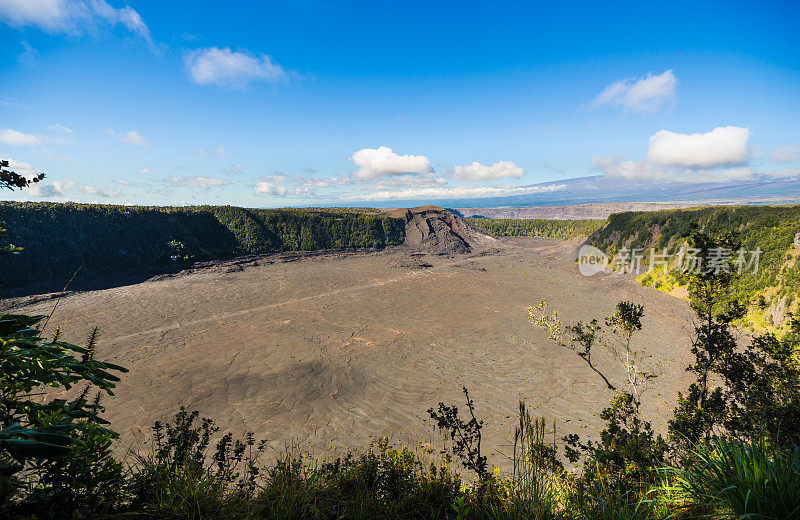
{"points": [[436, 230]]}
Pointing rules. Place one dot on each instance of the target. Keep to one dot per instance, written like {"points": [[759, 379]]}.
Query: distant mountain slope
{"points": [[593, 211], [601, 188]]}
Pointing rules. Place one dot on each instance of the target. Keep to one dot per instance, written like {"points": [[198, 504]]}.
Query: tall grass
{"points": [[536, 467], [732, 478]]}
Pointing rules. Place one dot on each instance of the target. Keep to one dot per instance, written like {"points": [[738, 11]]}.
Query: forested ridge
{"points": [[770, 294], [105, 239], [534, 227]]}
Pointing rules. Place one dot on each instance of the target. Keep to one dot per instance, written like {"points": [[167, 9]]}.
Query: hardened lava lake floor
{"points": [[330, 352]]}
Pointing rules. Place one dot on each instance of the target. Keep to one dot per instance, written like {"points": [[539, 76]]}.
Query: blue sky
{"points": [[304, 103]]}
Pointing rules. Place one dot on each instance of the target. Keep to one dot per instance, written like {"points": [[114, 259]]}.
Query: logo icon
{"points": [[591, 260]]}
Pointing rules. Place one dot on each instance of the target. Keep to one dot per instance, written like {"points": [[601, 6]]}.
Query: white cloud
{"points": [[648, 94], [645, 171], [220, 153], [310, 182], [132, 137], [304, 193], [40, 190], [724, 146], [717, 156], [62, 188], [455, 192], [376, 163], [60, 128], [231, 68], [479, 172], [269, 188], [411, 181], [29, 55], [145, 171], [22, 168], [124, 16], [234, 169], [786, 154], [322, 182], [195, 182], [13, 137], [71, 16]]}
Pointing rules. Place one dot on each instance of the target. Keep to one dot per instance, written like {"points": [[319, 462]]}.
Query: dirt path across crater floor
{"points": [[331, 352]]}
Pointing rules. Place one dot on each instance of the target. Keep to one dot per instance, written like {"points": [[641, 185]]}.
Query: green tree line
{"points": [[105, 239], [772, 229], [562, 229]]}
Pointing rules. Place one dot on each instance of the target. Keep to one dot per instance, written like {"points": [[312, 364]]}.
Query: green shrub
{"points": [[182, 478], [54, 454], [742, 479], [385, 483]]}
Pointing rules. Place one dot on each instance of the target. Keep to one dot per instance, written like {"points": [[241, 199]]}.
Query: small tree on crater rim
{"points": [[467, 435], [580, 337], [740, 391]]}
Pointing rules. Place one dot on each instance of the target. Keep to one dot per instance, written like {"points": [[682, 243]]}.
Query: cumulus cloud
{"points": [[720, 155], [63, 188], [648, 94], [71, 16], [411, 181], [304, 193], [644, 171], [235, 169], [377, 163], [269, 188], [12, 137], [322, 182], [231, 68], [724, 146], [132, 137], [452, 192], [309, 182], [22, 168], [480, 172], [195, 182], [91, 190], [219, 153], [786, 154], [41, 190]]}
